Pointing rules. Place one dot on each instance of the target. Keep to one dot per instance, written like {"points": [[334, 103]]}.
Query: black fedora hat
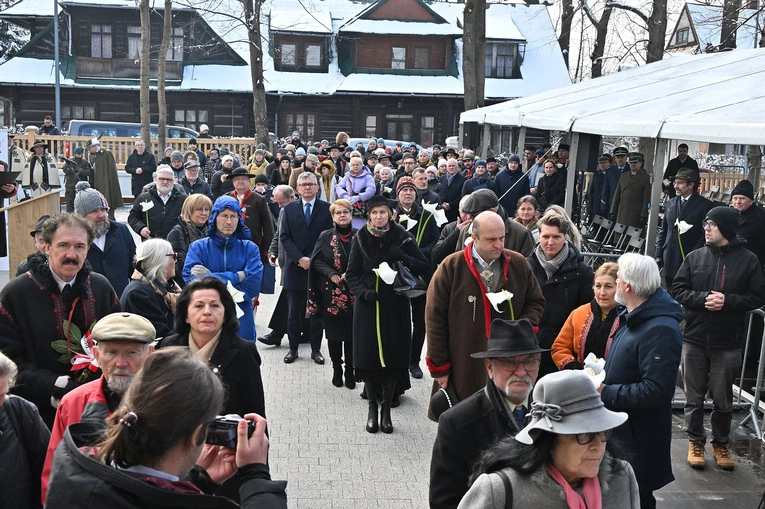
{"points": [[377, 200], [39, 143], [510, 339], [241, 172], [39, 225]]}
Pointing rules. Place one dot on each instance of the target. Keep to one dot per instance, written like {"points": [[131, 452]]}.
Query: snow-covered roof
{"points": [[283, 20], [389, 27], [707, 22], [712, 97], [45, 8]]}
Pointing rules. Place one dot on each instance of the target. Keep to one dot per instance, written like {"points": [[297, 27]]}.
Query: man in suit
{"points": [[687, 206], [613, 174], [451, 189], [681, 161], [496, 411], [302, 222]]}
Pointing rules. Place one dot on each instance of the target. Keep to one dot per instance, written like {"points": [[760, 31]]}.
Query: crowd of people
{"points": [[119, 357]]}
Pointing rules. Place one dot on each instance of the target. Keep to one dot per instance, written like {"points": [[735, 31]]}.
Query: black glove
{"points": [[395, 254], [643, 221], [369, 296]]}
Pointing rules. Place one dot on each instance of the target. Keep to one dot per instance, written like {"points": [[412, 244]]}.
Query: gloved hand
{"points": [[369, 296], [199, 270], [396, 254]]}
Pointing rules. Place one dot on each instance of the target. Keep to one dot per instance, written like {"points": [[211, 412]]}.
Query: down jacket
{"points": [[224, 257], [358, 188]]}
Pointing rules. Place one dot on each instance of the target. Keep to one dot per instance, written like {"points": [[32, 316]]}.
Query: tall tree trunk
{"points": [[599, 49], [161, 66], [657, 29], [566, 18], [469, 70], [479, 41], [754, 158], [145, 60], [259, 107], [731, 10]]}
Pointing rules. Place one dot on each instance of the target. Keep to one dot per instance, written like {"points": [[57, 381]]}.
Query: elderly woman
{"points": [[192, 225], [590, 328], [526, 214], [357, 186], [387, 180], [551, 188], [382, 325], [152, 292], [329, 296], [562, 458]]}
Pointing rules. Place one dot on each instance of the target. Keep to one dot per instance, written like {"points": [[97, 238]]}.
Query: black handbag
{"points": [[407, 284]]}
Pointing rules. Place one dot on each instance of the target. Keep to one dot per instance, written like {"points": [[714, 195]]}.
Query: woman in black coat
{"points": [[381, 360], [151, 292], [206, 323], [551, 188], [329, 296], [282, 173], [192, 225]]}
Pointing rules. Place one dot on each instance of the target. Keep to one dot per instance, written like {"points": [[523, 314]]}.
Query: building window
{"points": [[303, 122], [288, 54], [421, 58], [682, 36], [313, 55], [134, 42], [427, 130], [175, 49], [500, 60], [398, 58], [78, 112], [191, 118], [101, 41], [370, 126]]}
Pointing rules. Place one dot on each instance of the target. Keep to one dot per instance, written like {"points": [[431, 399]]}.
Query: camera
{"points": [[223, 430]]}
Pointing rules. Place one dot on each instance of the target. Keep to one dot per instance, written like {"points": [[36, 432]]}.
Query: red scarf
{"points": [[243, 199], [590, 487]]}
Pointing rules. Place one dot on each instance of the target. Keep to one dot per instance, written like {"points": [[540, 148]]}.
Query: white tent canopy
{"points": [[715, 97]]}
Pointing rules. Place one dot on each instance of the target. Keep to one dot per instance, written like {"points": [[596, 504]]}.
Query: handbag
{"points": [[407, 284]]}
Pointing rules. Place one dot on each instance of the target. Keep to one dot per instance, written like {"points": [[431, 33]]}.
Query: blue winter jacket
{"points": [[224, 257]]}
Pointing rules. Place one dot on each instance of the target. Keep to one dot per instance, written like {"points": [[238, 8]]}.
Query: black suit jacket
{"points": [[451, 193], [298, 239], [667, 247]]}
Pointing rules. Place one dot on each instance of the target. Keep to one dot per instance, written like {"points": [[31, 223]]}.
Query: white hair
{"points": [[151, 258], [163, 168], [8, 370], [641, 273]]}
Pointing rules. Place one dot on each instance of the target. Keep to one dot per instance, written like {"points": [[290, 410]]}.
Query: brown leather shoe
{"points": [[722, 456], [696, 454]]}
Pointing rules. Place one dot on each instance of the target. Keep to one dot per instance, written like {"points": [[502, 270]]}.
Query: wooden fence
{"points": [[242, 148]]}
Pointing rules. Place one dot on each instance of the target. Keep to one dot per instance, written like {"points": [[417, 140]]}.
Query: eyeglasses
{"points": [[586, 438], [164, 180], [708, 225], [342, 212], [307, 185], [175, 256], [510, 365]]}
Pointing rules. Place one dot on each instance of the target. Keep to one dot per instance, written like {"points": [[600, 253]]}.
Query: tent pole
{"points": [[485, 140], [656, 191], [462, 137], [521, 142], [571, 176]]}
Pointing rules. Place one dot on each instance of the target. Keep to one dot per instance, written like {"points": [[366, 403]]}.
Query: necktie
{"points": [[307, 213], [519, 413], [682, 203]]}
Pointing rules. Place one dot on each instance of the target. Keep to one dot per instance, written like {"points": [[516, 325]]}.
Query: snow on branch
{"points": [[625, 7], [591, 15]]}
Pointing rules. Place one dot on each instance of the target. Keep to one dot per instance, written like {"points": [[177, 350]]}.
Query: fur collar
{"points": [[40, 271], [371, 248]]}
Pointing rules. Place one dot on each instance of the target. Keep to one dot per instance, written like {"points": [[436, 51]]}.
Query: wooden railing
{"points": [[242, 148], [722, 181]]}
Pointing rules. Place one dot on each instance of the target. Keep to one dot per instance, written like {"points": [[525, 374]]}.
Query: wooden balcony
{"points": [[115, 68]]}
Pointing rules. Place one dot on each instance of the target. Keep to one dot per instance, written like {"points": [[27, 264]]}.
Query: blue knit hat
{"points": [[480, 162]]}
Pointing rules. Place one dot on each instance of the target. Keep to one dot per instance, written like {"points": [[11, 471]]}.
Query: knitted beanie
{"points": [[405, 182], [727, 220], [744, 188], [88, 199], [177, 155]]}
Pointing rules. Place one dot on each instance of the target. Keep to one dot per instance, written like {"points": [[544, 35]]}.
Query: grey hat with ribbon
{"points": [[567, 403]]}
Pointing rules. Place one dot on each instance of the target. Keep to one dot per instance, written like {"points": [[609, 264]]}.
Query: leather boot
{"points": [[386, 425], [337, 374], [350, 383], [372, 426]]}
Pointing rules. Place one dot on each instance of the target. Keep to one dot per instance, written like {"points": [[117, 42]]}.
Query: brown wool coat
{"points": [[455, 330]]}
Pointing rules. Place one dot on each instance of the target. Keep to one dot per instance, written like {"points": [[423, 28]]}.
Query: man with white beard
{"points": [[123, 341], [113, 249], [512, 361]]}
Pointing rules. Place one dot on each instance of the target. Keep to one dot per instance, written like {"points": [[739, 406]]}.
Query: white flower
{"points": [[410, 223], [595, 363], [146, 206], [387, 189], [386, 273], [498, 298], [682, 226], [238, 297], [468, 241], [595, 378], [438, 214]]}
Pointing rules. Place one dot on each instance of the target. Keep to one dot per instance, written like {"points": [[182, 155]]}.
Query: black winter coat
{"points": [[198, 187], [140, 298], [551, 190], [237, 362], [752, 229], [23, 444], [147, 163], [464, 432], [180, 239], [731, 270], [77, 480], [451, 193], [218, 185], [162, 216], [367, 253], [667, 246], [566, 290]]}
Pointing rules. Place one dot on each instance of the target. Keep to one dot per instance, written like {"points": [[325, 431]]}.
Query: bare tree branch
{"points": [[625, 7]]}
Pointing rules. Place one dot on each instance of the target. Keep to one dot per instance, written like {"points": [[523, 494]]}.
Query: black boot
{"points": [[372, 426], [349, 381], [386, 425], [337, 375]]}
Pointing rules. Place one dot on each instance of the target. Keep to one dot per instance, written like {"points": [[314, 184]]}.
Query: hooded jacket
{"points": [[225, 257], [327, 183], [641, 373], [356, 188], [731, 270]]}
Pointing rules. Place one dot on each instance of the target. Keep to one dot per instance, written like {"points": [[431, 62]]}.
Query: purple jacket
{"points": [[353, 189]]}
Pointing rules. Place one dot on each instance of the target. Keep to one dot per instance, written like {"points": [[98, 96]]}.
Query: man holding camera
{"points": [[75, 170]]}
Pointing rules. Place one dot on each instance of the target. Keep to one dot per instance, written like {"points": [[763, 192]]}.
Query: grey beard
{"points": [[103, 229]]}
